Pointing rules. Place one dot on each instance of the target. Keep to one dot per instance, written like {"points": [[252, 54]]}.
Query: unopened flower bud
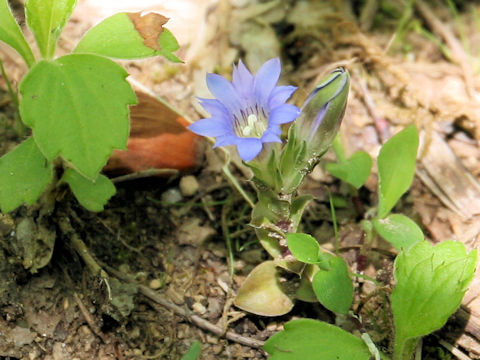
{"points": [[322, 113], [315, 129]]}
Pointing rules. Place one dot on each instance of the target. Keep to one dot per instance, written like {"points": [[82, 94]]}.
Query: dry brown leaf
{"points": [[149, 26]]}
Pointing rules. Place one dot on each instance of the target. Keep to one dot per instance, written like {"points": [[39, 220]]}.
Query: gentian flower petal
{"points": [[283, 114], [279, 95], [211, 127], [248, 111], [214, 107], [249, 148], [224, 91], [242, 81], [226, 140], [265, 80], [269, 136]]}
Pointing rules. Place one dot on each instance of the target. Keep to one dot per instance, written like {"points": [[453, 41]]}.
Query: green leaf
{"points": [[399, 230], [11, 34], [168, 44], [46, 19], [130, 36], [304, 247], [354, 171], [430, 284], [396, 167], [24, 174], [93, 195], [333, 287], [194, 352], [315, 340], [77, 107]]}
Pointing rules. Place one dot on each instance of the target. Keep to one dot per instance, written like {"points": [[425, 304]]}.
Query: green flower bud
{"points": [[314, 130], [322, 113]]}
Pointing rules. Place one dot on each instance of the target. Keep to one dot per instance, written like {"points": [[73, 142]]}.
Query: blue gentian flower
{"points": [[248, 111]]}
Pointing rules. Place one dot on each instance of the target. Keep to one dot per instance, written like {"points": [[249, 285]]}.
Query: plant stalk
{"points": [[404, 348]]}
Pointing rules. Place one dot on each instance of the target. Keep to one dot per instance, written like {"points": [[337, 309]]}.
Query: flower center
{"points": [[252, 125]]}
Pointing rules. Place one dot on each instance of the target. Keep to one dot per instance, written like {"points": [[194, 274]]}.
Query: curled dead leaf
{"points": [[158, 139]]}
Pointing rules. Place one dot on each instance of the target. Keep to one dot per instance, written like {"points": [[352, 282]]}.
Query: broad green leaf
{"points": [[354, 171], [11, 34], [130, 36], [315, 340], [262, 293], [93, 195], [304, 247], [334, 288], [430, 284], [396, 167], [194, 352], [77, 106], [24, 174], [399, 230], [46, 19]]}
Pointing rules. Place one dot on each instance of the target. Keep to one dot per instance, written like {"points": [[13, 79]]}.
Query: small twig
{"points": [[368, 13], [81, 248], [86, 314], [144, 174], [195, 319], [459, 354], [379, 121], [95, 328], [458, 53]]}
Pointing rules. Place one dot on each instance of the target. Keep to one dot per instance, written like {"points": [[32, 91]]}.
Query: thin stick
{"points": [[95, 328], [195, 319], [144, 174], [81, 248], [459, 354]]}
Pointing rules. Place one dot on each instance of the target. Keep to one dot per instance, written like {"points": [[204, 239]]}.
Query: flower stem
{"points": [[404, 348], [19, 126], [338, 149], [233, 181]]}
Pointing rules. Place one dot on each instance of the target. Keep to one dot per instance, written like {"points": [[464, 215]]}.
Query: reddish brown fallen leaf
{"points": [[158, 140], [149, 26]]}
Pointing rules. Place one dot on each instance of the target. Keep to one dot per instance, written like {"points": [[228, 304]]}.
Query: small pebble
{"points": [[212, 339], [155, 284], [217, 349], [273, 326], [199, 308], [172, 195], [188, 185], [124, 268]]}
